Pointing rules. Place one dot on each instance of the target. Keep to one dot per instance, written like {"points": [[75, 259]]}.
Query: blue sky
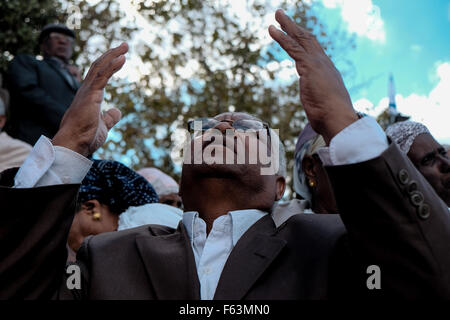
{"points": [[411, 39]]}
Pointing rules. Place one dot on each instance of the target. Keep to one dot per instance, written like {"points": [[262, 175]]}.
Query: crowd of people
{"points": [[363, 197]]}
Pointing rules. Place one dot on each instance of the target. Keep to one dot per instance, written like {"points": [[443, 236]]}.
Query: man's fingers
{"points": [[104, 74], [111, 117], [300, 35], [105, 60], [294, 50]]}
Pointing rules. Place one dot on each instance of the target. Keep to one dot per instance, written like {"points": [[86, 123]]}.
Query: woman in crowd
{"points": [[108, 190], [167, 212], [165, 186], [310, 178], [314, 193]]}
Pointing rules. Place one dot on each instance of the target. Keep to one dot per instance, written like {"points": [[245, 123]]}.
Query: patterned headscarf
{"points": [[308, 143], [404, 133], [117, 186]]}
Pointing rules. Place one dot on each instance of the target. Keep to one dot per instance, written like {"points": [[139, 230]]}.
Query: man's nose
{"points": [[63, 40], [223, 126]]}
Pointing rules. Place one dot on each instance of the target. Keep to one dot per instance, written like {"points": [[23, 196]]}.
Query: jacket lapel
{"points": [[251, 256], [170, 264], [53, 65]]}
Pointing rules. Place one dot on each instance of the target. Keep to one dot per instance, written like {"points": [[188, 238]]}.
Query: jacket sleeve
{"points": [[23, 80], [34, 225], [395, 222]]}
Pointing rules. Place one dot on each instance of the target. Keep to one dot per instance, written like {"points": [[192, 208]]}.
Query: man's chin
{"points": [[214, 170]]}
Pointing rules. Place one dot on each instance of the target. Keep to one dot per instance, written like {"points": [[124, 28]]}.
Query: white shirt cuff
{"points": [[51, 165], [361, 141]]}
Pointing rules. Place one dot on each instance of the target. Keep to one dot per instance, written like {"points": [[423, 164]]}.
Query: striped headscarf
{"points": [[308, 143]]}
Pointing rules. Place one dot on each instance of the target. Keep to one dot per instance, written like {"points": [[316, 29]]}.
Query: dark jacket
{"points": [[40, 95], [390, 217]]}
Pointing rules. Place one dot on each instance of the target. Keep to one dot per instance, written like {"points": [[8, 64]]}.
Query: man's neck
{"points": [[214, 197]]}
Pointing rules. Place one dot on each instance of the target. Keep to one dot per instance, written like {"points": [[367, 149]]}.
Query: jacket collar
{"points": [[251, 256], [57, 67], [170, 264]]}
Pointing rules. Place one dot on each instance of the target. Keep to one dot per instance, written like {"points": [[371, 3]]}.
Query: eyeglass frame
{"points": [[265, 125]]}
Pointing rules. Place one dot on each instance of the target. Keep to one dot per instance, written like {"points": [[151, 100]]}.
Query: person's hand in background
{"points": [[84, 127]]}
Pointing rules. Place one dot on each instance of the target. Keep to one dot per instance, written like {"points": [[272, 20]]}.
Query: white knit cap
{"points": [[161, 182], [405, 132]]}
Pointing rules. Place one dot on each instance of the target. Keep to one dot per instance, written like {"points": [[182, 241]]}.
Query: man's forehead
{"points": [[234, 116], [423, 144]]}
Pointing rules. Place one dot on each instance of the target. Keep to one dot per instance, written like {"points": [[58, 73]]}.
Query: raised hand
{"points": [[84, 127], [322, 92]]}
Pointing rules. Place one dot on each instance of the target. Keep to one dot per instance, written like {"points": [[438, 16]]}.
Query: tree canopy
{"points": [[188, 59]]}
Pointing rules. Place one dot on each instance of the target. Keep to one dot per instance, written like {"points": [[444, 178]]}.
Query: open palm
{"points": [[84, 127]]}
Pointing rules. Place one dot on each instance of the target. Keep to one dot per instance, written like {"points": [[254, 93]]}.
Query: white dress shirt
{"points": [[49, 165], [211, 251], [361, 141]]}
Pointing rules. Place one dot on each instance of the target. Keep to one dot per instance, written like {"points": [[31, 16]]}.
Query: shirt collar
{"points": [[241, 221]]}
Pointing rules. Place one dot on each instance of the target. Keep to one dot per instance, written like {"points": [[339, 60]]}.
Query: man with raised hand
{"points": [[227, 245], [37, 213], [42, 89]]}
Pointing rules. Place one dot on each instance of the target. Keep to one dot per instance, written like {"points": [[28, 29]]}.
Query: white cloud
{"points": [[433, 109], [416, 48], [362, 17]]}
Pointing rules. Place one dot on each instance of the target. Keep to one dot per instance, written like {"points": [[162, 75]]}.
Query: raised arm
{"points": [[393, 217], [35, 222], [323, 94], [84, 127]]}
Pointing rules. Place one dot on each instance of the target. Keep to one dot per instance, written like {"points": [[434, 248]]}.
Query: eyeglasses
{"points": [[60, 36], [200, 125]]}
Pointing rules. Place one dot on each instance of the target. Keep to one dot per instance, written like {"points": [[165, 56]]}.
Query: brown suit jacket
{"points": [[390, 217]]}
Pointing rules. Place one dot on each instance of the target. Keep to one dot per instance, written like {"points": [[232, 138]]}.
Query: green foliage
{"points": [[232, 71], [386, 118], [196, 58], [20, 24]]}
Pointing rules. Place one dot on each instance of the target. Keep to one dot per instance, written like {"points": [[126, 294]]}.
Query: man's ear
{"points": [[91, 206], [308, 167], [281, 187]]}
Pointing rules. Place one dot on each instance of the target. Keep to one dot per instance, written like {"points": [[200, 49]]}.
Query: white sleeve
{"points": [[50, 165], [361, 141]]}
